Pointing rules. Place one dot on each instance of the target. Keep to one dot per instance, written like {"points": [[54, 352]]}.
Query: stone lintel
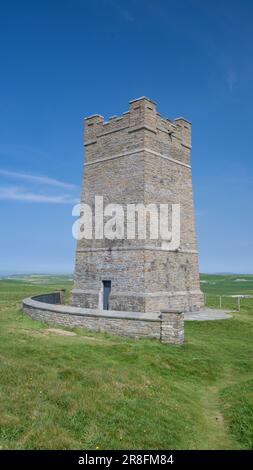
{"points": [[171, 311]]}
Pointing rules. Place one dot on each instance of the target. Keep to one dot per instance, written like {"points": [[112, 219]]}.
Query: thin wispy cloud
{"points": [[36, 188], [45, 180], [18, 194]]}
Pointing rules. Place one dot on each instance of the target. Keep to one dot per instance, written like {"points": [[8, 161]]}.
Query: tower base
{"points": [[187, 301]]}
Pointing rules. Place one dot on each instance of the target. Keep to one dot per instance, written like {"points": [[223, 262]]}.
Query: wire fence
{"points": [[228, 302]]}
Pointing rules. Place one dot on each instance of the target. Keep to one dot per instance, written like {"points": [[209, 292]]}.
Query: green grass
{"points": [[97, 390], [228, 284], [216, 285]]}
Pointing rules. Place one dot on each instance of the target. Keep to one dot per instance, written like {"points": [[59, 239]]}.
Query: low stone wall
{"points": [[168, 326]]}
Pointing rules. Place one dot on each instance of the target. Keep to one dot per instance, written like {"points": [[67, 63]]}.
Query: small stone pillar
{"points": [[62, 295], [172, 326]]}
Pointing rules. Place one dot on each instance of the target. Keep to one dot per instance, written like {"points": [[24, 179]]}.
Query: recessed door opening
{"points": [[107, 286]]}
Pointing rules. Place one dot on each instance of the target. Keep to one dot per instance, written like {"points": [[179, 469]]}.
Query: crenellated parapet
{"points": [[140, 157], [142, 116]]}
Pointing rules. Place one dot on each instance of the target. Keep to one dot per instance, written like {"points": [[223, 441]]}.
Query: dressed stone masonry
{"points": [[168, 327], [139, 157], [133, 287]]}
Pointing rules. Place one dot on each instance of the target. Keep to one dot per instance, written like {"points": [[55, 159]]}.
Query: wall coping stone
{"points": [[89, 312], [168, 326], [176, 312]]}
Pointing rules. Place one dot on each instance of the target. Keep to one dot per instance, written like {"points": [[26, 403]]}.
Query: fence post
{"points": [[239, 303], [220, 301]]}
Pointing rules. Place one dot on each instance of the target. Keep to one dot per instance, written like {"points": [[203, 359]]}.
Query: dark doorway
{"points": [[107, 285]]}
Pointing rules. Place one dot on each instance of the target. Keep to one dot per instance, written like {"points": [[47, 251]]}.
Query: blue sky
{"points": [[63, 60]]}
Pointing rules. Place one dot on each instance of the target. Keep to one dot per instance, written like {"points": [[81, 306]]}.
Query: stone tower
{"points": [[139, 157]]}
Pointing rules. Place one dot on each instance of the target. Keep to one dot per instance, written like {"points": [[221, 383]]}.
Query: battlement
{"points": [[142, 115], [139, 157]]}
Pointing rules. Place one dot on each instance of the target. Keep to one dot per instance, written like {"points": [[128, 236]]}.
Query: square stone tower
{"points": [[139, 157]]}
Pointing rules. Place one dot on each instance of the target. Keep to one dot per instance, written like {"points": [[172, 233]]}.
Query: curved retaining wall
{"points": [[167, 326]]}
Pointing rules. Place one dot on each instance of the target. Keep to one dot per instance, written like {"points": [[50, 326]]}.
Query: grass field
{"points": [[97, 390], [227, 284]]}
